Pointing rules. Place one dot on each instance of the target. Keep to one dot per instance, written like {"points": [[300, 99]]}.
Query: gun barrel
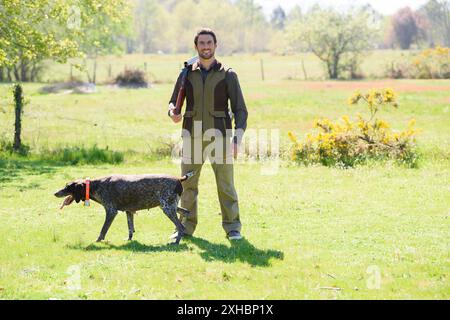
{"points": [[182, 92], [191, 61], [180, 100]]}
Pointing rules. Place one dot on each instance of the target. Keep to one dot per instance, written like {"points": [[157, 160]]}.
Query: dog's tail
{"points": [[187, 176]]}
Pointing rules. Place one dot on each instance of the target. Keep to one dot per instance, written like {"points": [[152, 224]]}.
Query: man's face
{"points": [[206, 46]]}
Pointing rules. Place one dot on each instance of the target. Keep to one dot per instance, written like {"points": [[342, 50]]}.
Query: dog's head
{"points": [[75, 190]]}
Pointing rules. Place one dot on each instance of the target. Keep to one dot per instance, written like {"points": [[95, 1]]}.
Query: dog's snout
{"points": [[59, 194]]}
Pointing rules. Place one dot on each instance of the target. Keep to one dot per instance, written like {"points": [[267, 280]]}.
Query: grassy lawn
{"points": [[164, 68], [305, 230], [310, 232]]}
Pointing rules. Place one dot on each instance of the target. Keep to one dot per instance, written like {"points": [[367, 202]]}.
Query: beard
{"points": [[206, 55]]}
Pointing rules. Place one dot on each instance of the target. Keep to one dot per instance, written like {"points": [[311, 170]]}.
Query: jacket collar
{"points": [[216, 66]]}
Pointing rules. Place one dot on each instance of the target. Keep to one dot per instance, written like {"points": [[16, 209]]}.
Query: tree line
{"points": [[34, 31], [168, 26]]}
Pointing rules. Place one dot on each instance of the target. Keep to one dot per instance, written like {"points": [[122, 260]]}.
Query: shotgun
{"points": [[182, 92]]}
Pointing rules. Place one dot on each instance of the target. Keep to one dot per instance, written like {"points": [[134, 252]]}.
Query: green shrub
{"points": [[8, 147], [82, 155], [132, 78]]}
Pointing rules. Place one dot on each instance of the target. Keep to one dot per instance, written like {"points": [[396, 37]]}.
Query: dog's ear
{"points": [[79, 192]]}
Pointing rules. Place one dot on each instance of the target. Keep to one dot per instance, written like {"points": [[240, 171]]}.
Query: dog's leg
{"points": [[130, 218], [171, 212], [110, 215]]}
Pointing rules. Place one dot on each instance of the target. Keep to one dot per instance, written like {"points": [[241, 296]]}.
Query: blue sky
{"points": [[383, 6]]}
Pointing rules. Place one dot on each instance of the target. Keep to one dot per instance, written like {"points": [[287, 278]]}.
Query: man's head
{"points": [[205, 43]]}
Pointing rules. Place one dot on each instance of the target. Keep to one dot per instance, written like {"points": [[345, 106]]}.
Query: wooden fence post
{"points": [[18, 105], [262, 69]]}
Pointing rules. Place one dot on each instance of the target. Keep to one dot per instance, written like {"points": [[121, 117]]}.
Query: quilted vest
{"points": [[207, 101]]}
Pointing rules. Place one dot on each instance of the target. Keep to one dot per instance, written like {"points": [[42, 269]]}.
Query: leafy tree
{"points": [[295, 14], [404, 27], [423, 28], [278, 18], [438, 16], [252, 11], [170, 25], [31, 31], [22, 31], [28, 34], [224, 18], [102, 26], [186, 21], [254, 25], [336, 38], [226, 21], [151, 31]]}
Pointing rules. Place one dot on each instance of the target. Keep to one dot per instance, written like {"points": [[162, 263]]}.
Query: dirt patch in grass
{"points": [[69, 87], [367, 85]]}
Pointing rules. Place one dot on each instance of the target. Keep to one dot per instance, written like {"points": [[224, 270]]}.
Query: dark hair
{"points": [[205, 31]]}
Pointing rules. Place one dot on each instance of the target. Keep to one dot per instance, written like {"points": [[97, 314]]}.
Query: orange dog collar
{"points": [[88, 185]]}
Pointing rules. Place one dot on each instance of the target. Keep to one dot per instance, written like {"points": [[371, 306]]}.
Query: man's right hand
{"points": [[175, 117]]}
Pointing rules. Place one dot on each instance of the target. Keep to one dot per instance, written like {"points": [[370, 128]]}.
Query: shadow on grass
{"points": [[13, 169], [12, 165], [240, 250], [134, 246]]}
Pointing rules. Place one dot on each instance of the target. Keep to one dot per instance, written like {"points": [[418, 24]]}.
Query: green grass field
{"points": [[310, 232], [164, 68]]}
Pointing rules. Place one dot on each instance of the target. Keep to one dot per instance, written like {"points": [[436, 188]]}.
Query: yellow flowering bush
{"points": [[432, 63], [346, 143]]}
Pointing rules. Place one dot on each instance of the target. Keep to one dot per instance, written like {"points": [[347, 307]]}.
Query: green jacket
{"points": [[207, 101]]}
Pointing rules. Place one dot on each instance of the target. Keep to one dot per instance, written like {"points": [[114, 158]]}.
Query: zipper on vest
{"points": [[203, 102]]}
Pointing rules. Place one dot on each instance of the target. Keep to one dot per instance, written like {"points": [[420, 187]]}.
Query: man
{"points": [[209, 86]]}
